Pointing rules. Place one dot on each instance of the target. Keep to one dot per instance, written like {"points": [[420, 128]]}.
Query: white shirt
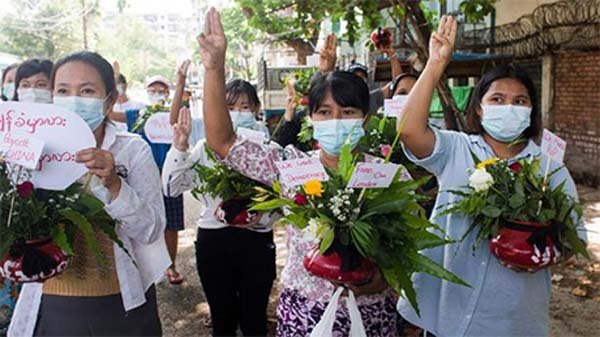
{"points": [[140, 210], [179, 176]]}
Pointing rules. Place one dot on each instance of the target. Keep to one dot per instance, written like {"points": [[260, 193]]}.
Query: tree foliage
{"points": [[298, 23], [46, 29]]}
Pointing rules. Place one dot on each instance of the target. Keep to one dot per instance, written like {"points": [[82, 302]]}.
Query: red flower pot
{"points": [[33, 261], [329, 267], [513, 246], [381, 38], [304, 100], [235, 212]]}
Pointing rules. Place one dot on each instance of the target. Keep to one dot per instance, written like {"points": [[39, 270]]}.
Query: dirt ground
{"points": [[574, 307]]}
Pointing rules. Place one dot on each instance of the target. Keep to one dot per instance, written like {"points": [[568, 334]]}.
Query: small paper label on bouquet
{"points": [[553, 146], [394, 107], [298, 171], [373, 175], [252, 135], [21, 149], [158, 128]]}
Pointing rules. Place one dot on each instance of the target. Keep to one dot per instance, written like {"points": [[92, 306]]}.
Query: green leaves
{"points": [[87, 230], [271, 205]]}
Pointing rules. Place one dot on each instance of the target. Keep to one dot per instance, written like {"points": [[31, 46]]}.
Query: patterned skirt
{"points": [[298, 315]]}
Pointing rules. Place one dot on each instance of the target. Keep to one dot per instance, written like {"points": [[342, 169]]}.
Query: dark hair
{"points": [[121, 79], [30, 68], [473, 121], [397, 80], [97, 62], [237, 87], [347, 90], [4, 73]]}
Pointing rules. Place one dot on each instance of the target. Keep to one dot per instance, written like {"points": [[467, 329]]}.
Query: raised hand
{"points": [[182, 130], [182, 70], [327, 55], [290, 107], [442, 41], [212, 42]]}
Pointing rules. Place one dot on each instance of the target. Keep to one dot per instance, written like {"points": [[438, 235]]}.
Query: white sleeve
{"points": [[140, 208], [178, 175]]}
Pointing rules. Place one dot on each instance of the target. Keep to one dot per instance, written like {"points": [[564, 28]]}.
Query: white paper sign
{"points": [[158, 128], [393, 107], [64, 133], [21, 149], [252, 135], [553, 146], [298, 171], [373, 175]]}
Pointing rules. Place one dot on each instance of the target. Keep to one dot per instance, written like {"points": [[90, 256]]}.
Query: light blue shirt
{"points": [[500, 302]]}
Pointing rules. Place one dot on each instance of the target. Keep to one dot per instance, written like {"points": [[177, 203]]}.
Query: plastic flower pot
{"points": [[329, 267], [33, 261], [304, 100], [526, 245], [235, 212]]}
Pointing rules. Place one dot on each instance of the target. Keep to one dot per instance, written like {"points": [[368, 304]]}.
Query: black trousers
{"points": [[237, 270], [97, 316]]}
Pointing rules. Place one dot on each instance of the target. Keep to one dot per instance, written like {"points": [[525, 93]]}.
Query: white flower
{"points": [[481, 180]]}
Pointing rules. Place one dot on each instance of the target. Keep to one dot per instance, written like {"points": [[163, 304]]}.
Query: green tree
{"points": [[241, 40], [139, 53], [297, 23], [46, 29]]}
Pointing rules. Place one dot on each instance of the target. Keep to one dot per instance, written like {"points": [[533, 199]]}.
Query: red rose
{"points": [[515, 167], [300, 199], [25, 190], [304, 100]]}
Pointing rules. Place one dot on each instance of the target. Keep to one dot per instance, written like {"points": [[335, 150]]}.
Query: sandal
{"points": [[174, 277]]}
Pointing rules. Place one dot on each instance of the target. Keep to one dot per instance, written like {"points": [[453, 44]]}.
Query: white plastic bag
{"points": [[325, 326]]}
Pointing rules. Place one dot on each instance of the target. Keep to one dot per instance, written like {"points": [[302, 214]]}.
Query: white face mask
{"points": [[120, 89], [8, 90], [156, 97], [33, 95], [244, 119]]}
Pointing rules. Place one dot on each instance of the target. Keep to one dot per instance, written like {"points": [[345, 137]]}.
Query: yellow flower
{"points": [[487, 162], [313, 188]]}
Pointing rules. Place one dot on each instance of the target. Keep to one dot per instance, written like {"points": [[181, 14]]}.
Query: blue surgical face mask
{"points": [[88, 108], [8, 90], [332, 134], [505, 123], [33, 95], [242, 119]]}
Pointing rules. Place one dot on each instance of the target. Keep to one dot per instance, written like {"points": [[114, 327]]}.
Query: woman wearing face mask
{"points": [[236, 264], [8, 82], [118, 299], [503, 119], [338, 106], [32, 82]]}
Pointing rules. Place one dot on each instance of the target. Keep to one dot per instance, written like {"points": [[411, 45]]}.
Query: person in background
{"points": [[124, 102], [402, 85], [32, 81], [157, 89], [119, 298], [8, 82], [236, 264]]}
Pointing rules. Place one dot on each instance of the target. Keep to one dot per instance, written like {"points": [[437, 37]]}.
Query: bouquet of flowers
{"points": [[301, 79], [530, 224], [235, 189], [380, 134], [39, 227], [146, 113], [360, 230]]}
